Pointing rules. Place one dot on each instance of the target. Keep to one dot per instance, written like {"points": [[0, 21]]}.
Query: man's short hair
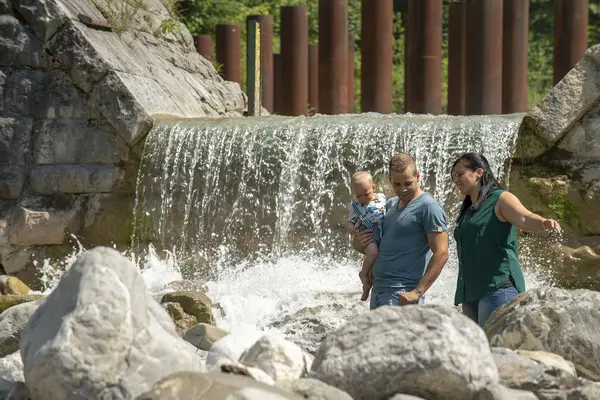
{"points": [[400, 162]]}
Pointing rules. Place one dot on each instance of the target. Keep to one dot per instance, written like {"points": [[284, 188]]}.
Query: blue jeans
{"points": [[479, 311], [379, 299]]}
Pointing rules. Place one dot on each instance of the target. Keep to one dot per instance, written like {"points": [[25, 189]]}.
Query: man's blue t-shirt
{"points": [[404, 250]]}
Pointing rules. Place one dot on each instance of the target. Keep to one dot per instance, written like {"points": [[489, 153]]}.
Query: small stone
{"points": [[204, 335], [12, 285]]}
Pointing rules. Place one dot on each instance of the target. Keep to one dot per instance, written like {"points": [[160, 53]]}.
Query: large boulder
{"points": [[555, 320], [100, 335], [420, 350], [559, 116]]}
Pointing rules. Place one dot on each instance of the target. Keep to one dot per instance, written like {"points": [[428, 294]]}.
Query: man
{"points": [[414, 247]]}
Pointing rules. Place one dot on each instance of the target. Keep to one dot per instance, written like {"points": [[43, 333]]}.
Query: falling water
{"points": [[256, 207]]}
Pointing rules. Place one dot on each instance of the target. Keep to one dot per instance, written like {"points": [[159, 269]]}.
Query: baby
{"points": [[366, 212]]}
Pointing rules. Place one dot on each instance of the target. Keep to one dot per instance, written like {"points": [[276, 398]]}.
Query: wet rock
{"points": [[10, 285], [196, 304]]}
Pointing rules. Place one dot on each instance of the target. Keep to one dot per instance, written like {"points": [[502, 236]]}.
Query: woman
{"points": [[489, 273]]}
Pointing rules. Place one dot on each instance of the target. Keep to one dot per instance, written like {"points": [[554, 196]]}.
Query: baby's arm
{"points": [[351, 227]]}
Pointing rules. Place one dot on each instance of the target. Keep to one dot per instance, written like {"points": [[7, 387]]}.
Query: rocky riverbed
{"points": [[99, 334]]}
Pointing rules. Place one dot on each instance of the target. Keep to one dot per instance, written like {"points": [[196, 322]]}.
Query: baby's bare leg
{"points": [[371, 252]]}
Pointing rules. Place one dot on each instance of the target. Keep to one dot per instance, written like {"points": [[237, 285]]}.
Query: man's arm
{"points": [[438, 243]]}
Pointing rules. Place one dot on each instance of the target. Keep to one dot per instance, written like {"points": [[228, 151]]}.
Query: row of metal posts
{"points": [[487, 56]]}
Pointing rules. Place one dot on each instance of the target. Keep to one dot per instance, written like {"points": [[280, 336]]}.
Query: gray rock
{"points": [[11, 367], [74, 178], [279, 358], [12, 180], [428, 355], [100, 335], [13, 391], [229, 349], [42, 226], [128, 101], [22, 88], [46, 17], [61, 99], [214, 386], [555, 320], [12, 323], [405, 397], [550, 359], [76, 141], [520, 372], [15, 138], [499, 392], [565, 104], [589, 391], [18, 45], [3, 74], [204, 335], [312, 389], [581, 139]]}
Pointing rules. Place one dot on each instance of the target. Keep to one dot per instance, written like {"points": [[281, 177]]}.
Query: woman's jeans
{"points": [[479, 311]]}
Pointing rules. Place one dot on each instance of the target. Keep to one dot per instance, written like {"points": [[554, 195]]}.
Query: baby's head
{"points": [[363, 187]]}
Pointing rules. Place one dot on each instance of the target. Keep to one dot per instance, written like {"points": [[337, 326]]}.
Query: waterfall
{"points": [[274, 185], [258, 205]]}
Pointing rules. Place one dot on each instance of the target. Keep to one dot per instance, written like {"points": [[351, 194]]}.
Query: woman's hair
{"points": [[474, 161]]}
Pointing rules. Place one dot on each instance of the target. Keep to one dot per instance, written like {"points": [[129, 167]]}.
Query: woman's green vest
{"points": [[488, 257]]}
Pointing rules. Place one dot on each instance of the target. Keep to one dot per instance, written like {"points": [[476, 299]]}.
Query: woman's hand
{"points": [[362, 240], [551, 225]]}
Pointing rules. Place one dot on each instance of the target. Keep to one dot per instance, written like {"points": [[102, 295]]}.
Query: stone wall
{"points": [[556, 170], [76, 96]]}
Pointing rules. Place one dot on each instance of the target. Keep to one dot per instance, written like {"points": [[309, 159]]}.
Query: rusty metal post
{"points": [[313, 77], [456, 58], [376, 48], [570, 35], [425, 56], [228, 51], [407, 74], [203, 45], [484, 57], [277, 85], [294, 59], [514, 55], [333, 56], [350, 76], [266, 58]]}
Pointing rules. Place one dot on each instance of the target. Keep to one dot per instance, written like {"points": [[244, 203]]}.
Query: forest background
{"points": [[202, 16]]}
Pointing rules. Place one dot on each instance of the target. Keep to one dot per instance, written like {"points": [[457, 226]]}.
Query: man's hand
{"points": [[362, 240], [411, 297]]}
